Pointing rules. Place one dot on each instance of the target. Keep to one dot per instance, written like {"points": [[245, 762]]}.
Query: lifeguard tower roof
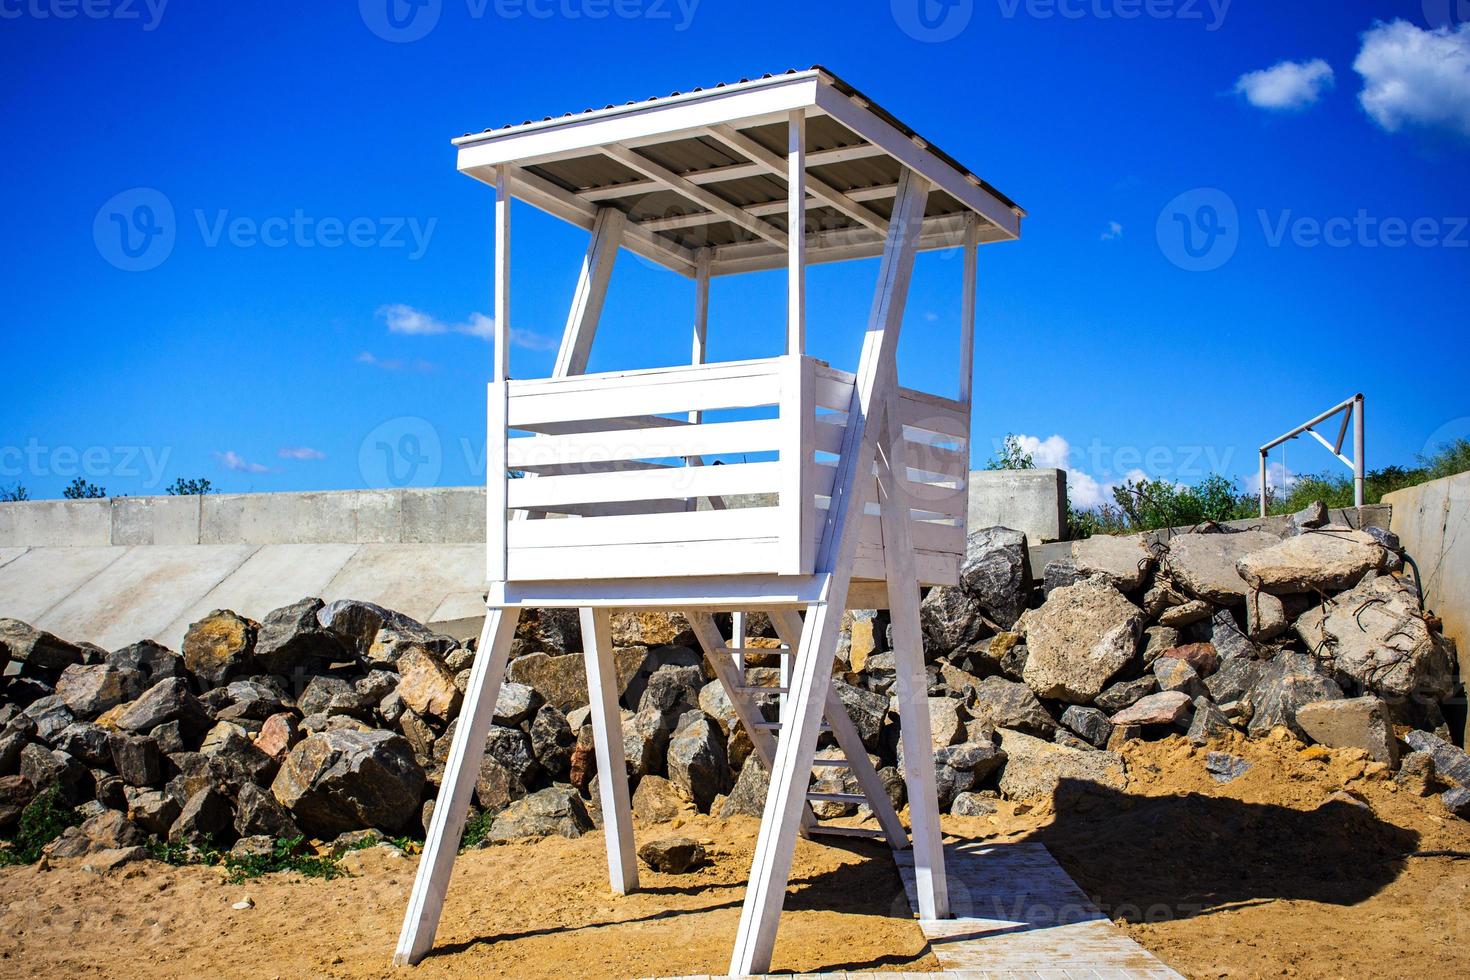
{"points": [[706, 170]]}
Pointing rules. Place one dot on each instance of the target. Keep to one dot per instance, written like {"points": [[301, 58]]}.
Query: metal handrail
{"points": [[1353, 409]]}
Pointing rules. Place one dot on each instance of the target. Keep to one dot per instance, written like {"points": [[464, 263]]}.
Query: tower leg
{"points": [[776, 845], [426, 901], [607, 732]]}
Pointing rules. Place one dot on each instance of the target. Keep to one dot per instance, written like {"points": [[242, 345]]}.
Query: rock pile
{"points": [[326, 719]]}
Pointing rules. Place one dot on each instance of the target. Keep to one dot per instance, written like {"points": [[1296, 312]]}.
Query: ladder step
{"points": [[832, 763], [828, 830], [837, 798], [775, 726], [759, 689], [779, 651]]}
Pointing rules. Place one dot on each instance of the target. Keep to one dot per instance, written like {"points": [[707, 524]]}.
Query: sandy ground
{"points": [[1268, 875]]}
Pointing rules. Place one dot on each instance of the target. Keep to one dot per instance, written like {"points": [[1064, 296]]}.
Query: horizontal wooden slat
{"points": [[643, 377], [708, 439], [692, 526], [827, 437], [602, 425], [933, 414], [549, 492], [746, 556], [926, 536], [692, 394]]}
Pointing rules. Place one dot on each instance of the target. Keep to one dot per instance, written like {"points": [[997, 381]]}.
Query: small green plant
{"points": [[476, 829], [80, 489], [1012, 456], [181, 853], [13, 493], [285, 855], [41, 822], [187, 488]]}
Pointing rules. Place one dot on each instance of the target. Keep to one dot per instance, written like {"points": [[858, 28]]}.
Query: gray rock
{"points": [[1123, 561], [1451, 763], [1186, 614], [1223, 767], [748, 797], [672, 855], [1227, 639], [1088, 723], [946, 721], [1374, 637], [1203, 565], [258, 812], [1285, 684], [556, 811], [88, 690], [86, 742], [167, 701], [209, 815], [516, 703], [156, 661], [867, 709], [1209, 722], [358, 623], [1157, 639], [697, 764], [552, 630], [153, 810], [235, 762], [1124, 693], [972, 805], [645, 743], [45, 767], [136, 759], [1164, 708], [292, 640], [376, 686], [51, 717], [1177, 675], [328, 695], [1035, 768], [1317, 561], [672, 690], [16, 793], [1457, 801], [496, 786], [1080, 638], [950, 619], [112, 829], [562, 680], [552, 741], [1233, 680], [996, 572], [1354, 723], [1265, 615], [1060, 573], [346, 780], [962, 768], [25, 644], [1000, 703]]}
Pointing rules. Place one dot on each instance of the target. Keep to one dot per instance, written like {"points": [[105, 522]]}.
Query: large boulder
{"points": [[672, 855], [25, 644], [551, 630], [1285, 684], [1000, 703], [220, 646], [1316, 561], [292, 639], [672, 690], [962, 768], [328, 695], [1123, 561], [51, 767], [867, 709], [358, 622], [257, 811], [1451, 763], [206, 815], [346, 780], [748, 797], [1078, 640], [656, 800], [90, 689], [167, 701], [136, 759], [1203, 565], [697, 764], [562, 680], [1353, 723], [1373, 637], [996, 572], [949, 619], [650, 628], [554, 811], [427, 685], [156, 661], [1035, 768], [552, 741]]}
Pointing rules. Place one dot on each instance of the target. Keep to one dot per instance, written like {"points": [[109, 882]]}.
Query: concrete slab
{"points": [[1033, 502], [8, 555], [56, 523], [140, 594], [274, 576], [347, 517], [156, 520], [443, 515], [40, 578], [411, 578], [1017, 912]]}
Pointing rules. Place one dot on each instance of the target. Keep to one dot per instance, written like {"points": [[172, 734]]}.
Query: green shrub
{"points": [[187, 488], [285, 855], [79, 489], [1011, 456], [41, 822]]}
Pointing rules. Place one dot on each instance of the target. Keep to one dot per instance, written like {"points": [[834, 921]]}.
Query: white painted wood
{"points": [[664, 442], [590, 294], [704, 198], [910, 680], [734, 556], [645, 377], [738, 171], [692, 527], [713, 592], [776, 844], [496, 481], [612, 767], [501, 278], [426, 901], [546, 493], [606, 397], [798, 481], [967, 309], [796, 185]]}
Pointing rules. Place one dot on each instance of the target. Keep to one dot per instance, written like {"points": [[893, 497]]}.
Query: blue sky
{"points": [[259, 353]]}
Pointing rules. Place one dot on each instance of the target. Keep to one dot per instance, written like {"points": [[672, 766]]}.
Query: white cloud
{"points": [[394, 363], [1277, 476], [1083, 489], [404, 319], [1286, 86], [1416, 77], [1115, 230], [300, 452], [232, 460]]}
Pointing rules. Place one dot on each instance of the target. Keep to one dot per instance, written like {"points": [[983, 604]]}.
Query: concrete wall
{"points": [[1031, 501], [1432, 521]]}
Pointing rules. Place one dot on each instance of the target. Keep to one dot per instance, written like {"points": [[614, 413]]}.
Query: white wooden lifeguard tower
{"points": [[836, 491]]}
